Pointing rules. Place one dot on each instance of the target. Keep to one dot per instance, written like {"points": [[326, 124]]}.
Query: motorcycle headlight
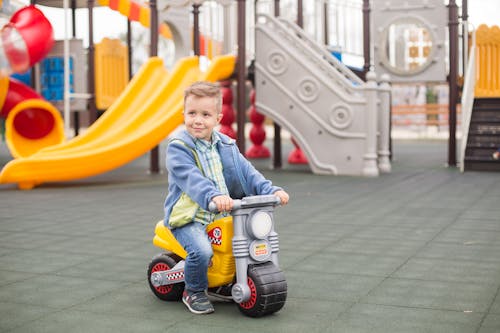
{"points": [[260, 225]]}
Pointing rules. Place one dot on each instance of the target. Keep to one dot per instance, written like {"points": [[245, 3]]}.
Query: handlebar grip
{"points": [[212, 207]]}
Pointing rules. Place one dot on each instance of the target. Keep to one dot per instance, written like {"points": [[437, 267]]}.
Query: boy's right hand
{"points": [[224, 203]]}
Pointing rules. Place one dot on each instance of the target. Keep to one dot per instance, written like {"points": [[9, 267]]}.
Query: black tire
{"points": [[268, 290], [162, 262]]}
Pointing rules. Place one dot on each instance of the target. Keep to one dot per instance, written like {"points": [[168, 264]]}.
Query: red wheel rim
{"points": [[253, 296], [162, 267]]}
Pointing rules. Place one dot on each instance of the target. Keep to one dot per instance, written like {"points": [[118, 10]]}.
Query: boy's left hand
{"points": [[284, 197], [224, 203]]}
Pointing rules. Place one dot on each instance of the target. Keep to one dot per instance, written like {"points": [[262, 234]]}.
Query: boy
{"points": [[203, 166]]}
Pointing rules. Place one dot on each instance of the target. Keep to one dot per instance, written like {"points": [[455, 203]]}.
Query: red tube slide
{"points": [[32, 123]]}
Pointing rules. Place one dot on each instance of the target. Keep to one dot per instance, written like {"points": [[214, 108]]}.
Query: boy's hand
{"points": [[284, 197], [224, 203]]}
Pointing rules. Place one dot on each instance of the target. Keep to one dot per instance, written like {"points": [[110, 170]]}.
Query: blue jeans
{"points": [[194, 239]]}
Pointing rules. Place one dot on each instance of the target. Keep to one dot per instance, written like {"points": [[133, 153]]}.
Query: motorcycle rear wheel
{"points": [[163, 262]]}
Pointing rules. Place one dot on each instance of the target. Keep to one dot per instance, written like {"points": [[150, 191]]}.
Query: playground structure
{"points": [[334, 116], [321, 103], [31, 122]]}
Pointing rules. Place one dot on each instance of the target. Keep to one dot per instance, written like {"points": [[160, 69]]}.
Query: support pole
{"points": [[277, 159], [465, 36], [154, 165], [366, 37], [452, 82], [326, 27], [129, 48], [300, 14], [91, 64], [196, 29], [76, 115], [240, 76]]}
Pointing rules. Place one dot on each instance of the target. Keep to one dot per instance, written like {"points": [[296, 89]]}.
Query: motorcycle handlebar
{"points": [[253, 201], [212, 207]]}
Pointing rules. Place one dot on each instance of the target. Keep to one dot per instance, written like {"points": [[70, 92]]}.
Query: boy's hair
{"points": [[205, 89]]}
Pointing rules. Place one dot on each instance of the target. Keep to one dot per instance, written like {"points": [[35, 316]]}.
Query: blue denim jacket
{"points": [[242, 179]]}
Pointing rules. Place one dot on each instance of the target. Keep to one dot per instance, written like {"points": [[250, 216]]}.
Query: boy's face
{"points": [[201, 116]]}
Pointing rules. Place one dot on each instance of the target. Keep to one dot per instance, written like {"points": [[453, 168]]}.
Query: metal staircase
{"points": [[484, 136]]}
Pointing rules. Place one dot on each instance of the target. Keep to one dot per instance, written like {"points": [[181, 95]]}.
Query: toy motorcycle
{"points": [[245, 247]]}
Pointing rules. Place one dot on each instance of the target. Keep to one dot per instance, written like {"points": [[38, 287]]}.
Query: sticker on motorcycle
{"points": [[215, 236], [260, 250]]}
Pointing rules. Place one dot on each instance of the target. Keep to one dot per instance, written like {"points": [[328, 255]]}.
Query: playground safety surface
{"points": [[416, 250]]}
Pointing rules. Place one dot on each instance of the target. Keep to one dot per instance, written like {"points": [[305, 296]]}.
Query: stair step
{"points": [[483, 140], [485, 116], [486, 145], [490, 107], [480, 126], [475, 165], [487, 102], [484, 153], [483, 132]]}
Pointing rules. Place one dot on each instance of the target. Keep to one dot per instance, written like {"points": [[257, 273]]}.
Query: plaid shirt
{"points": [[212, 168]]}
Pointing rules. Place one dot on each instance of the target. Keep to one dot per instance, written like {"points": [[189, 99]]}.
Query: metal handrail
{"points": [[468, 98]]}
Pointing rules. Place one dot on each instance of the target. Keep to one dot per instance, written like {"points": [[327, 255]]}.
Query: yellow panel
{"points": [[111, 71], [487, 61]]}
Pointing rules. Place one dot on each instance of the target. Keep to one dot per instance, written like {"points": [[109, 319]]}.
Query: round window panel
{"points": [[406, 46]]}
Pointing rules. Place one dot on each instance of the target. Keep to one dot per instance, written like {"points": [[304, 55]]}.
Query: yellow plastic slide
{"points": [[149, 109]]}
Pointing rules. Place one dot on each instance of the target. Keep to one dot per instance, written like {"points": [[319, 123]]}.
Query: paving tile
{"points": [[84, 322], [376, 318], [491, 324], [415, 221], [467, 236], [479, 272], [416, 233], [92, 245], [108, 268], [13, 315], [30, 240], [134, 300], [476, 224], [291, 258], [38, 261], [352, 263], [329, 287], [313, 232], [452, 296], [480, 214], [5, 251], [468, 251], [376, 247], [54, 291], [495, 307], [8, 277]]}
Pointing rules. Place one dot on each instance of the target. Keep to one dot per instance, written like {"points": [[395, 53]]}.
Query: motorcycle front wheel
{"points": [[268, 290]]}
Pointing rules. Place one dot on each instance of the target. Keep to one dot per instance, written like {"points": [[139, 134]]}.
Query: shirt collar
{"points": [[204, 145]]}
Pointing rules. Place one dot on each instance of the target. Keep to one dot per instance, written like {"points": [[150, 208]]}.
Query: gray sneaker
{"points": [[197, 302], [221, 294]]}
